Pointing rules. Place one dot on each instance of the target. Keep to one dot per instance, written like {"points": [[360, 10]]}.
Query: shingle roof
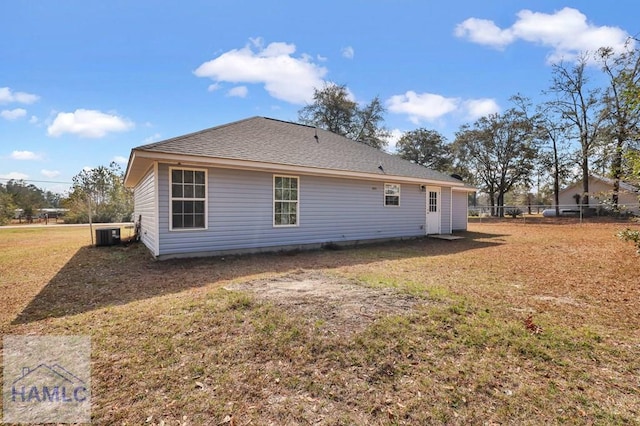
{"points": [[273, 141], [623, 185]]}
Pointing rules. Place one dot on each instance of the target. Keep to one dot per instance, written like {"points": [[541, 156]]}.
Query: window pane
{"points": [[285, 197], [392, 200], [188, 184], [199, 178]]}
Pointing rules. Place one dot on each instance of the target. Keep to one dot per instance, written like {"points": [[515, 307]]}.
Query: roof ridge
{"points": [[288, 122]]}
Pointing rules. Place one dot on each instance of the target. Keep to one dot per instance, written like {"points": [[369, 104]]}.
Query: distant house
{"points": [[600, 191], [263, 184]]}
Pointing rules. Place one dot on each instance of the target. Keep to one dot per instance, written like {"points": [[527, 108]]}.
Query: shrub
{"points": [[513, 212], [631, 235]]}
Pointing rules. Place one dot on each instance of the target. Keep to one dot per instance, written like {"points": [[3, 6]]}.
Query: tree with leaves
{"points": [[427, 148], [334, 110], [500, 150], [7, 206], [99, 193], [26, 196]]}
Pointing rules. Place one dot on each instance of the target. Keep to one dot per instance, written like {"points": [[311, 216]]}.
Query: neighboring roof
{"points": [[624, 186], [266, 140]]}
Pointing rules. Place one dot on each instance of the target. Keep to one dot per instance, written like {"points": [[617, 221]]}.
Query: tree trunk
{"points": [[556, 178], [616, 170], [585, 179], [500, 204], [492, 201]]}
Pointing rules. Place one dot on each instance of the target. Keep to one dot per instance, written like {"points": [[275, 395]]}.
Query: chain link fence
{"points": [[540, 213]]}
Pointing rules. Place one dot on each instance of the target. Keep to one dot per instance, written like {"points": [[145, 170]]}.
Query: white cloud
{"points": [[120, 159], [33, 120], [348, 52], [14, 175], [476, 108], [87, 168], [13, 114], [50, 173], [25, 155], [285, 77], [238, 92], [8, 96], [88, 123], [431, 107], [213, 87], [567, 32], [422, 106], [483, 31]]}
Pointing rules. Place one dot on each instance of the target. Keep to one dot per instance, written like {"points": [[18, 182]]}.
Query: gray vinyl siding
{"points": [[460, 213], [145, 207], [240, 213]]}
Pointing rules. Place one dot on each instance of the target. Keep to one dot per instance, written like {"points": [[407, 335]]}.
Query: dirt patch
{"points": [[562, 300], [339, 305]]}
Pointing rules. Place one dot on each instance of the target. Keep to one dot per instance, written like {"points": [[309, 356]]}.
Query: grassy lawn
{"points": [[516, 323]]}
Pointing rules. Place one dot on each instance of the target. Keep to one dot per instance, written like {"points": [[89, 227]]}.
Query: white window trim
{"points": [[206, 200], [273, 202], [384, 194]]}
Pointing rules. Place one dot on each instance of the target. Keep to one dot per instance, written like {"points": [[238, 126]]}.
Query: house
{"points": [[600, 192], [264, 184]]}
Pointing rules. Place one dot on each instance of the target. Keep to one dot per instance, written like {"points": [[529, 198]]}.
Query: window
{"points": [[433, 202], [285, 201], [188, 198], [391, 194]]}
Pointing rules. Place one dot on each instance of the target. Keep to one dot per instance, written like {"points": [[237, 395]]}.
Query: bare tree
{"points": [[578, 105], [553, 134], [622, 117]]}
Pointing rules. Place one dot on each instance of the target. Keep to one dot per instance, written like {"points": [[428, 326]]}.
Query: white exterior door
{"points": [[433, 210]]}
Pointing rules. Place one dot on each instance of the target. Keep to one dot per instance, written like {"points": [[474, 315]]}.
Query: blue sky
{"points": [[83, 82]]}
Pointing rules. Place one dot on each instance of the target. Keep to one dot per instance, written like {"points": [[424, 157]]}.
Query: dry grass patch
{"points": [[515, 324]]}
